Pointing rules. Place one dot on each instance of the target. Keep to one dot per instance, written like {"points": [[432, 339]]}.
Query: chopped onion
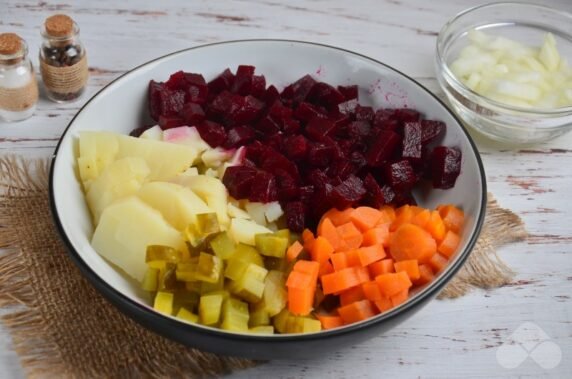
{"points": [[510, 72]]}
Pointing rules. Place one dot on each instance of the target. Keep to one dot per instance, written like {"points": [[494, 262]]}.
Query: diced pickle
{"points": [[271, 245], [250, 286], [207, 287], [151, 279], [210, 308], [285, 233], [157, 256], [235, 269], [278, 264], [262, 329], [235, 315], [275, 294], [286, 322], [209, 268], [168, 278], [193, 237], [193, 286], [223, 246], [186, 299], [164, 302], [187, 315], [280, 320], [258, 315], [248, 254], [207, 223]]}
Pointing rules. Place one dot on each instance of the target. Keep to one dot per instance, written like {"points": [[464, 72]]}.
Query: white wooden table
{"points": [[447, 338]]}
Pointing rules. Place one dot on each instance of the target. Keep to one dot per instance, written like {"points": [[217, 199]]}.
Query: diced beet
{"points": [[341, 169], [192, 113], [295, 216], [320, 154], [382, 148], [326, 95], [389, 124], [296, 147], [290, 126], [299, 90], [318, 128], [220, 83], [223, 103], [275, 141], [271, 95], [239, 136], [197, 89], [400, 175], [382, 117], [177, 81], [258, 88], [168, 122], [431, 130], [348, 193], [446, 166], [374, 196], [263, 188], [238, 180], [407, 115], [254, 151], [288, 189], [320, 200], [138, 131], [388, 194], [349, 92], [212, 133], [245, 111], [357, 129], [271, 161], [154, 99], [279, 112], [243, 80], [412, 141], [306, 192], [358, 160], [339, 119], [364, 113], [306, 111], [267, 126]]}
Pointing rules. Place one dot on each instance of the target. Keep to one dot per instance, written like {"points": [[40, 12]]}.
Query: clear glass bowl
{"points": [[526, 23]]}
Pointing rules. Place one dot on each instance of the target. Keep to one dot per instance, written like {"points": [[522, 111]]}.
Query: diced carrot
{"points": [[449, 245], [422, 218], [339, 280], [365, 218], [321, 250], [453, 217], [371, 290], [293, 251], [351, 295], [389, 212], [308, 267], [412, 242], [327, 230], [376, 236], [300, 300], [351, 235], [403, 215], [300, 280], [325, 269], [357, 311], [384, 304], [400, 297], [391, 284], [416, 209], [425, 275], [362, 274], [435, 226], [370, 254], [330, 322], [352, 258], [308, 239], [385, 266], [339, 261], [437, 262], [338, 217], [410, 266]]}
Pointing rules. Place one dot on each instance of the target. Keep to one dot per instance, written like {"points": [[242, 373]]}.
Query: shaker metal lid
{"points": [[59, 25], [10, 43]]}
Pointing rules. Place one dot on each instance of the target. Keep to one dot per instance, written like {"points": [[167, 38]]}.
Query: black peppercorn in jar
{"points": [[63, 61]]}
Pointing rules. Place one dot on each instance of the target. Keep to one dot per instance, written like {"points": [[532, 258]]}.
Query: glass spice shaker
{"points": [[18, 86], [63, 61]]}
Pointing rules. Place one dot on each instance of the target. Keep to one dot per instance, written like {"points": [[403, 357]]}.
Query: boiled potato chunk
{"points": [[243, 230], [125, 230], [119, 179], [179, 205], [97, 149]]}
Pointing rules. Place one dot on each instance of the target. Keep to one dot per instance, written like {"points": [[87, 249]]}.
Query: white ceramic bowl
{"points": [[121, 106]]}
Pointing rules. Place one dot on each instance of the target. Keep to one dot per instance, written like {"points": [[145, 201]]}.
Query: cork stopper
{"points": [[59, 25], [10, 44]]}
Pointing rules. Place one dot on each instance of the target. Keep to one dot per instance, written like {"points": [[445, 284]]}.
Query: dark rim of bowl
{"points": [[167, 325], [444, 66]]}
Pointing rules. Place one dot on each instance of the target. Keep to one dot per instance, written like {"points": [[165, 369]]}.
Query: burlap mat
{"points": [[61, 326]]}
